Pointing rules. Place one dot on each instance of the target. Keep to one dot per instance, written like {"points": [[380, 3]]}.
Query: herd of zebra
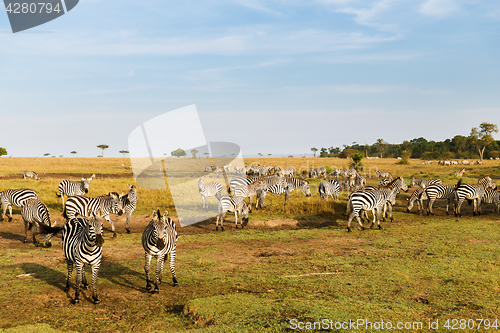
{"points": [[82, 239]]}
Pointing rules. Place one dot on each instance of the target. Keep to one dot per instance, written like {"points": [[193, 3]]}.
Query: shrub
{"points": [[348, 152]]}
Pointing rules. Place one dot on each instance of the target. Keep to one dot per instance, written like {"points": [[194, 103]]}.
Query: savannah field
{"points": [[291, 264]]}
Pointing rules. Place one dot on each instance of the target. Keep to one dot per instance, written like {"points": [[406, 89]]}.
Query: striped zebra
{"points": [[30, 174], [369, 200], [438, 191], [288, 172], [459, 173], [9, 198], [417, 196], [159, 239], [70, 188], [128, 204], [250, 191], [472, 192], [383, 174], [492, 197], [385, 182], [36, 218], [359, 182], [329, 188], [286, 187], [209, 190], [82, 245], [231, 204], [84, 206], [241, 181], [423, 183]]}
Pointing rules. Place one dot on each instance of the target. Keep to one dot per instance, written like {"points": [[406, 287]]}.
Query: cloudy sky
{"points": [[273, 76]]}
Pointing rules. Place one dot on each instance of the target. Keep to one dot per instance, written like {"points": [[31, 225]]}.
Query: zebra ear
{"points": [[165, 214], [158, 212]]}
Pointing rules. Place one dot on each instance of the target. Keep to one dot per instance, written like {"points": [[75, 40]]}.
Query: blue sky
{"points": [[272, 76]]}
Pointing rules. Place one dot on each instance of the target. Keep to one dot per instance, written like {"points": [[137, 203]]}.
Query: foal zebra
{"points": [[128, 204], [159, 239], [84, 206], [473, 192], [231, 204], [30, 174], [9, 198], [82, 245], [36, 217], [329, 188], [209, 190], [438, 191], [71, 188]]}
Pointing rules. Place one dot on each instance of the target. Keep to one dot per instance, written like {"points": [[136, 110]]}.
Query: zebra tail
{"points": [[459, 183], [65, 214], [58, 194], [49, 230]]}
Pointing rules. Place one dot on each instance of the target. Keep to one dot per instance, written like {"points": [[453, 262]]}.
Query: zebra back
{"points": [[17, 197]]}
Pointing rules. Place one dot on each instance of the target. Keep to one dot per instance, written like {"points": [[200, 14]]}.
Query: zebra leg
{"points": [[250, 205], [79, 274], [33, 232], [128, 221], [236, 219], [107, 218], [69, 264], [159, 273], [147, 268], [10, 213], [95, 271], [4, 211], [26, 228], [378, 217], [222, 220], [429, 207], [62, 199], [390, 212], [172, 267], [458, 206], [85, 284]]}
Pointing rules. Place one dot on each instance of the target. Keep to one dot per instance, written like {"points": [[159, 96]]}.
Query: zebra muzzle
{"points": [[160, 244], [99, 240]]}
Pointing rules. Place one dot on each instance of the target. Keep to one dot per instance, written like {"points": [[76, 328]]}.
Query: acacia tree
{"points": [[74, 153], [3, 151], [482, 137], [194, 152], [314, 150], [102, 147], [381, 145], [46, 154], [123, 152], [178, 152]]}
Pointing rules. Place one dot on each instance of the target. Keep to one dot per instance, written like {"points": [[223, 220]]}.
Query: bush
{"points": [[348, 152], [495, 153]]}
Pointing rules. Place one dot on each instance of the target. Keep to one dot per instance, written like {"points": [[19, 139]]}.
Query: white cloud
{"points": [[438, 8]]}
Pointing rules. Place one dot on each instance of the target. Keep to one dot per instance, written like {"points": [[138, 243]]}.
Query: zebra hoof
{"points": [[128, 231], [348, 229], [97, 301], [176, 284], [379, 227], [10, 219], [222, 228], [216, 228], [114, 235], [48, 244], [76, 301], [25, 241], [156, 291], [392, 219], [148, 287]]}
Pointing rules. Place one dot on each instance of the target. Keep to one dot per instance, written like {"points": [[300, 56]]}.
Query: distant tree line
{"points": [[478, 145]]}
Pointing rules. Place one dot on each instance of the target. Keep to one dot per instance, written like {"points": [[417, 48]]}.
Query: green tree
{"points": [[482, 137], [314, 150], [3, 151], [381, 146], [123, 152], [74, 153], [194, 152], [102, 147], [46, 154], [178, 152], [356, 160]]}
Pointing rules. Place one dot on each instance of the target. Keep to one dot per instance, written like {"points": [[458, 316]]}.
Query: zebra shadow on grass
{"points": [[10, 236], [45, 274], [123, 276]]}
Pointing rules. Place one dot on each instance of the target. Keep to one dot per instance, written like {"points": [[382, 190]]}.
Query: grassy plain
{"points": [[416, 269]]}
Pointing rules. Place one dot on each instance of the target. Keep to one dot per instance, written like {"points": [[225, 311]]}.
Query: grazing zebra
{"points": [[36, 217], [209, 190], [287, 186], [82, 245], [84, 206], [249, 191], [492, 197], [329, 188], [472, 192], [30, 174], [384, 174], [369, 200], [418, 195], [359, 182], [209, 168], [128, 204], [241, 181], [288, 172], [460, 173], [231, 204], [158, 240], [438, 191], [9, 198], [423, 183], [71, 188]]}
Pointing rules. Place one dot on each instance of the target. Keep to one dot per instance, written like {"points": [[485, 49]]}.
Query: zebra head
{"points": [[487, 183], [306, 189], [413, 182], [404, 187], [86, 184], [244, 211], [159, 225], [117, 202], [94, 229]]}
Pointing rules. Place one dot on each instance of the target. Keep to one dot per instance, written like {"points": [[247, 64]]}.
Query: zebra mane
{"points": [[459, 183]]}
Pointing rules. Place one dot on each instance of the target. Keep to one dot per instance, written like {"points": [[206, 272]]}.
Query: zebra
{"points": [[472, 192], [71, 188], [82, 205], [9, 198], [359, 182], [209, 190], [287, 186], [288, 172], [418, 195], [385, 182], [82, 245], [158, 240], [460, 173], [369, 200], [438, 191], [231, 204], [30, 174], [36, 217], [329, 188], [241, 181], [423, 183], [209, 167], [492, 197], [250, 191], [128, 204], [383, 174]]}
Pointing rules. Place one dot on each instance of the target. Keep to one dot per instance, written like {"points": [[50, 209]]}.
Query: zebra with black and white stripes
{"points": [[159, 239], [242, 181], [250, 191], [288, 172], [9, 198], [492, 197], [438, 191], [36, 218], [423, 183], [369, 200], [417, 196], [30, 174], [286, 185], [213, 189], [71, 188], [231, 204], [82, 245], [128, 204], [329, 188], [473, 192], [85, 206], [383, 174]]}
